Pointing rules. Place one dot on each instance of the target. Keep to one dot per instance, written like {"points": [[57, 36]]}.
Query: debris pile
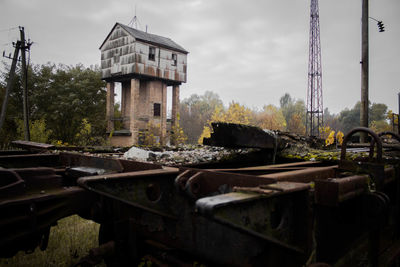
{"points": [[188, 155]]}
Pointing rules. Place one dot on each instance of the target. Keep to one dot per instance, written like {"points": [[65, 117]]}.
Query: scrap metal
{"points": [[289, 214]]}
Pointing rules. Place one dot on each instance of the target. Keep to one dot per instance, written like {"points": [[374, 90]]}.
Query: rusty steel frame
{"points": [[285, 214]]}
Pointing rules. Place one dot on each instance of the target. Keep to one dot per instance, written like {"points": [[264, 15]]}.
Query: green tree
{"points": [[9, 131], [377, 112], [286, 105], [350, 118], [332, 120], [38, 131], [195, 112], [293, 109], [118, 124], [65, 95], [62, 96]]}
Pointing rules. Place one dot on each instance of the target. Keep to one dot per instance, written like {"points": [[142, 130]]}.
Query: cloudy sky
{"points": [[251, 51]]}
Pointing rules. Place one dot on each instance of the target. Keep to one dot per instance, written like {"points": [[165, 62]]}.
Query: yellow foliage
{"points": [[84, 136], [151, 137], [178, 137], [205, 134], [325, 131], [330, 139], [392, 117], [339, 137], [37, 129], [380, 126], [60, 143], [296, 125], [236, 113], [272, 118]]}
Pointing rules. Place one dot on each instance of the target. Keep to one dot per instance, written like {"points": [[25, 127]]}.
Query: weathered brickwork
{"points": [[145, 65]]}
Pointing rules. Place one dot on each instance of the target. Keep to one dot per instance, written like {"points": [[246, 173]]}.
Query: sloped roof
{"points": [[149, 38]]}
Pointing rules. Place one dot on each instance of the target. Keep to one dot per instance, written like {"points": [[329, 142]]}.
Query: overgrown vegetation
{"points": [[69, 241], [66, 103], [177, 137], [198, 112], [67, 106], [152, 136]]}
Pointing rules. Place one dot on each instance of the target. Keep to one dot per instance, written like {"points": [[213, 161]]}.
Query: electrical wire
{"points": [[9, 29]]}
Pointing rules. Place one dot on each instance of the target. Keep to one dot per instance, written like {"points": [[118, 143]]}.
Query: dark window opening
{"points": [[174, 59], [157, 109], [152, 53]]}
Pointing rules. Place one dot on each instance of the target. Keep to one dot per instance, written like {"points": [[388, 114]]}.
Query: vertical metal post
{"points": [[9, 84], [364, 69], [24, 77], [398, 116]]}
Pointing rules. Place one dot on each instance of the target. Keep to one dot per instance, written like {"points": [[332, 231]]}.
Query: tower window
{"points": [[174, 59], [152, 53], [157, 109]]}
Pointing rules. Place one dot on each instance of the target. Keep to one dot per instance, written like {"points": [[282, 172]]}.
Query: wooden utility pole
{"points": [[9, 83], [24, 71], [364, 69]]}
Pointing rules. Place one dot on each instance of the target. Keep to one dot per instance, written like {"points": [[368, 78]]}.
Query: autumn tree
{"points": [[379, 118], [380, 126], [296, 124], [271, 118], [195, 112], [178, 136], [393, 120], [235, 113]]}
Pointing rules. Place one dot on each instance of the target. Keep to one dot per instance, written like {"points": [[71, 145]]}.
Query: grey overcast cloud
{"points": [[251, 52]]}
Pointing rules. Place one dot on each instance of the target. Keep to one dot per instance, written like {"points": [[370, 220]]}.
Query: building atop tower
{"points": [[145, 64]]}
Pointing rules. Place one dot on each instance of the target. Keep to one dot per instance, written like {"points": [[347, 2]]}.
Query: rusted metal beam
{"points": [[331, 192], [303, 176], [272, 168], [29, 145]]}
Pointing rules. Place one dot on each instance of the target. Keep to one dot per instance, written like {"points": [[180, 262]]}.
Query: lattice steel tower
{"points": [[314, 91]]}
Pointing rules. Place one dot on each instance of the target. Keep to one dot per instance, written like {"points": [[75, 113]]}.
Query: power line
{"points": [[9, 29]]}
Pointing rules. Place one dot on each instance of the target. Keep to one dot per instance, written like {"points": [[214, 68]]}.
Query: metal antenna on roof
{"points": [[134, 21]]}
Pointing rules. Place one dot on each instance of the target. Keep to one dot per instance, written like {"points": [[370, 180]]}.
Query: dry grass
{"points": [[70, 240]]}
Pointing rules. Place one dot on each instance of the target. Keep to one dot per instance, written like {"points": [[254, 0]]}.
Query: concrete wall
{"points": [[121, 54]]}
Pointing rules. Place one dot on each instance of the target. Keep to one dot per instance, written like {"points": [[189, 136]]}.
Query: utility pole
{"points": [[24, 71], [9, 83], [364, 70], [20, 45]]}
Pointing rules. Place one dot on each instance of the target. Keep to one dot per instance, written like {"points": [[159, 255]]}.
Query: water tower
{"points": [[145, 64]]}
